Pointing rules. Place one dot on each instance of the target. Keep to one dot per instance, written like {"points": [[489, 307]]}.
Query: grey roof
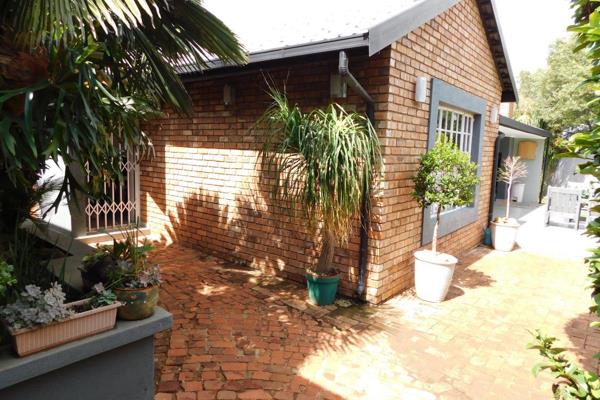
{"points": [[519, 126], [276, 29]]}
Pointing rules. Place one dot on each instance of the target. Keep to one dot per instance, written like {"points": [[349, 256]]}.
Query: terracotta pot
{"points": [[433, 275], [504, 235], [32, 340], [137, 303]]}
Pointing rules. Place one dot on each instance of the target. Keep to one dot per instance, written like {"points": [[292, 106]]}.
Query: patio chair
{"points": [[564, 202]]}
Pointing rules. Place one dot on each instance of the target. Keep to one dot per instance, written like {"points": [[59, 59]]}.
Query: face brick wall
{"points": [[205, 188], [452, 47]]}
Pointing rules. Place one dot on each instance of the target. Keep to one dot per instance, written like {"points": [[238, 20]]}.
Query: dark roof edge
{"points": [[387, 32], [493, 30], [396, 27], [519, 126], [323, 46]]}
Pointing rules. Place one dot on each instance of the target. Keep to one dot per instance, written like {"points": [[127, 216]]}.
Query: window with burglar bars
{"points": [[457, 126], [118, 207]]}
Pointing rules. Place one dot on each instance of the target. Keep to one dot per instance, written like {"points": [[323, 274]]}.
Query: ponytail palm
{"points": [[325, 163]]}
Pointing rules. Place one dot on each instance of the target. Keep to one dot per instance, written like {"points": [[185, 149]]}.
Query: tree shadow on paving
{"points": [[585, 340], [230, 337]]}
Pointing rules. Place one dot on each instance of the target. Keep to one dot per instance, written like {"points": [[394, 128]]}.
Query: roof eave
{"points": [[325, 46], [520, 126]]}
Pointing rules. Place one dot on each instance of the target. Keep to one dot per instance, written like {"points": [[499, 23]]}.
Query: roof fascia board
{"points": [[324, 46], [519, 126], [502, 42], [387, 32]]}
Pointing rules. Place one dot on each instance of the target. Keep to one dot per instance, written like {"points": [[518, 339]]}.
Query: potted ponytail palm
{"points": [[446, 178], [505, 229], [324, 164]]}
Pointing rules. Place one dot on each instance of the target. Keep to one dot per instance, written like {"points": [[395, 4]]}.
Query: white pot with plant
{"points": [[323, 164], [505, 229], [446, 178]]}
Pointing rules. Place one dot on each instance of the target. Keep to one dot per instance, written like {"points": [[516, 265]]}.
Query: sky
{"points": [[530, 27]]}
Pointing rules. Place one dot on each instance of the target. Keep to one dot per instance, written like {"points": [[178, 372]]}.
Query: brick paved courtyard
{"points": [[240, 335]]}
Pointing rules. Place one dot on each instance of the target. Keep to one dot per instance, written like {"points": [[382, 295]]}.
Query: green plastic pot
{"points": [[137, 303], [322, 290]]}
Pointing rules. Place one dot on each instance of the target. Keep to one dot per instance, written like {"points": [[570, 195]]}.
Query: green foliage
{"points": [[446, 177], [553, 98], [124, 264], [571, 382], [102, 297], [80, 76], [325, 161], [7, 278]]}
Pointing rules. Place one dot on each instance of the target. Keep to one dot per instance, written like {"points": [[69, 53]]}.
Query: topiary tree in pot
{"points": [[505, 229], [446, 178], [324, 164]]}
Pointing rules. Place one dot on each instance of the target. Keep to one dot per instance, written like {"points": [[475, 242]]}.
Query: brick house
{"points": [[204, 187]]}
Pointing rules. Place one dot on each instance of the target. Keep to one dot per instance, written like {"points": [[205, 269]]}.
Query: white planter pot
{"points": [[504, 235], [433, 275]]}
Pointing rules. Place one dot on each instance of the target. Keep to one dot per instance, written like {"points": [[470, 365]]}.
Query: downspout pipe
{"points": [[494, 176], [365, 222]]}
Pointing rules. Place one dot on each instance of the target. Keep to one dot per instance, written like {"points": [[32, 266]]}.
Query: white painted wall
{"points": [[565, 174], [533, 181]]}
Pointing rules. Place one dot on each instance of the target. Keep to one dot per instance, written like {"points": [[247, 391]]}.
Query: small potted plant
{"points": [[124, 268], [40, 319], [505, 229], [446, 178], [324, 164]]}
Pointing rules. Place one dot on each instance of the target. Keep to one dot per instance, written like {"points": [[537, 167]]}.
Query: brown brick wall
{"points": [[452, 47], [204, 187]]}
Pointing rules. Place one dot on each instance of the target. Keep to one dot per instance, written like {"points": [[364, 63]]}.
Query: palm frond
{"points": [[324, 161]]}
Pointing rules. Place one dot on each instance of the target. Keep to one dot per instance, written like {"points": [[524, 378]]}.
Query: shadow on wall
{"points": [[205, 188]]}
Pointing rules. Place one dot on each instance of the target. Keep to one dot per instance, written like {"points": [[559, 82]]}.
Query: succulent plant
{"points": [[36, 307]]}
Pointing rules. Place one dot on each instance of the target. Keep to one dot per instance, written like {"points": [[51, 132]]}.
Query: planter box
{"points": [[32, 340], [112, 365]]}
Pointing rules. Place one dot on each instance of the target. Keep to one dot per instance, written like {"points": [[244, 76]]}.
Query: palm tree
{"points": [[325, 163], [77, 76]]}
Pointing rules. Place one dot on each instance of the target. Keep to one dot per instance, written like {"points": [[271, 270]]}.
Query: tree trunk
{"points": [[508, 200], [435, 230], [325, 263]]}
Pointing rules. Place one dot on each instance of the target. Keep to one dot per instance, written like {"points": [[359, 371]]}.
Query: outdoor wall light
{"points": [[228, 94], [421, 89], [494, 115]]}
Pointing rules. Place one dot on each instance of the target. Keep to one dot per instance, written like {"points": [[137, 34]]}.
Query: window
{"points": [[459, 116], [456, 126]]}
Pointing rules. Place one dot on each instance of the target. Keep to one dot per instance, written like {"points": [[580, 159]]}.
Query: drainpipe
{"points": [[364, 211], [494, 176]]}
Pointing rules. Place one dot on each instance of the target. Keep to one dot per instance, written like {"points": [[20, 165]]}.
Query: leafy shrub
{"points": [[571, 382], [446, 178], [36, 307], [7, 278]]}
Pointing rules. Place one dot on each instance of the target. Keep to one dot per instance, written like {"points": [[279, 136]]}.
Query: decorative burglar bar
{"points": [[118, 207]]}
